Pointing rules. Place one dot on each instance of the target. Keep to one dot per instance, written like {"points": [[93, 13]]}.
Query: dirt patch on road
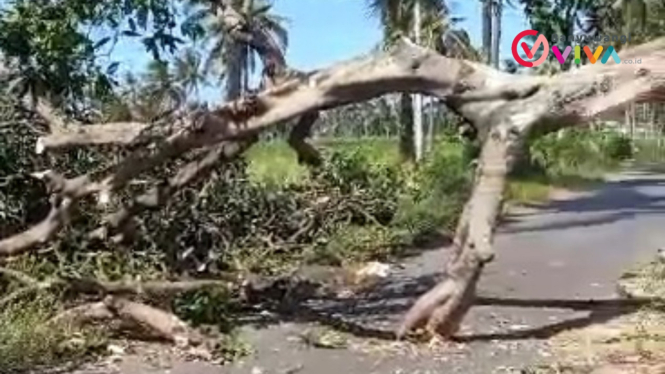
{"points": [[632, 343], [629, 343]]}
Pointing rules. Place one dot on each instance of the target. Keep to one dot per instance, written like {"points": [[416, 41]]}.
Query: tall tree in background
{"points": [[486, 17], [491, 13], [397, 20], [231, 54], [497, 12], [188, 72]]}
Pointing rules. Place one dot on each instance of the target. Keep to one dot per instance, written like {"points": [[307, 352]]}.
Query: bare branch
{"points": [[307, 154], [84, 313], [39, 233], [107, 133], [166, 325], [151, 288]]}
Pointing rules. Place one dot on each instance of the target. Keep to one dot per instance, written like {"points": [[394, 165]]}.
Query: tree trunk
{"points": [[407, 143], [417, 98], [443, 307], [497, 10], [487, 29], [430, 127], [234, 72]]}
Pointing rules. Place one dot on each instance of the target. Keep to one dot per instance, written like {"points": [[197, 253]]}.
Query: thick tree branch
{"points": [[307, 154], [149, 288], [407, 67], [39, 233], [473, 90], [166, 325]]}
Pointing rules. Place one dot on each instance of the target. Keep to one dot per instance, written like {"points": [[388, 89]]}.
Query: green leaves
{"points": [[54, 49]]}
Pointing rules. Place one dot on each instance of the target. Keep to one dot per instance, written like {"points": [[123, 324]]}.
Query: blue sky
{"points": [[322, 32]]}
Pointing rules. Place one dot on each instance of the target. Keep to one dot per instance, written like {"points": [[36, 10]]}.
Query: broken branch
{"points": [[166, 325]]}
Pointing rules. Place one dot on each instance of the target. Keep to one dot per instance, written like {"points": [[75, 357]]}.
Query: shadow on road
{"points": [[615, 201], [355, 316]]}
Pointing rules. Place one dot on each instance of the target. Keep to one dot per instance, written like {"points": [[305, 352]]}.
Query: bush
{"points": [[650, 151], [439, 189], [578, 151], [353, 244]]}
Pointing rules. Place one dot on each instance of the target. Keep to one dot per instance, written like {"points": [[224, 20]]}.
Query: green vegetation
{"points": [[570, 159], [650, 152], [29, 339], [579, 152]]}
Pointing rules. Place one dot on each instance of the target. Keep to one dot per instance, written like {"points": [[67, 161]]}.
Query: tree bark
{"points": [[407, 134], [486, 17], [307, 154], [497, 10], [444, 307], [234, 87]]}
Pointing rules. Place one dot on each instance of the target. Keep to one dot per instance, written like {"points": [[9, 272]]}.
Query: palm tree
{"points": [[397, 20], [188, 72], [492, 11], [486, 19], [497, 11], [232, 56]]}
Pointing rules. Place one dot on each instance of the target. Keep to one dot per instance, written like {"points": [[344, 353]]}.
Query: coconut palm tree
{"points": [[188, 72], [231, 56], [436, 29], [497, 12], [492, 10], [486, 20]]}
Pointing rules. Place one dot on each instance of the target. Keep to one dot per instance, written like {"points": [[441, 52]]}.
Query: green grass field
{"points": [[275, 163]]}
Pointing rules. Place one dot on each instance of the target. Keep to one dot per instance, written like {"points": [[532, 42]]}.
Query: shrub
{"points": [[439, 189], [578, 151], [352, 244], [650, 150]]}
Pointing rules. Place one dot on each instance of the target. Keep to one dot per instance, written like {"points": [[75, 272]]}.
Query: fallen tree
{"points": [[502, 107]]}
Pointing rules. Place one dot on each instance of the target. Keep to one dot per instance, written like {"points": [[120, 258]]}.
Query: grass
{"points": [[275, 163], [650, 154], [538, 188], [29, 340]]}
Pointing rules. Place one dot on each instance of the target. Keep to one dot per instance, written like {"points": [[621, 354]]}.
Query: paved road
{"points": [[573, 249]]}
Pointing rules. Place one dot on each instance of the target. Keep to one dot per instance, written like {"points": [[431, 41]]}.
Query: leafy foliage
{"points": [[438, 192], [578, 151], [50, 51]]}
